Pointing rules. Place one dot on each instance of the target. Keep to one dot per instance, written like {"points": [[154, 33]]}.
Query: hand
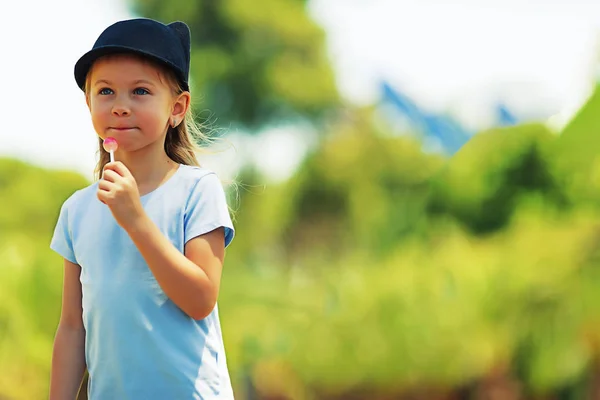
{"points": [[118, 190]]}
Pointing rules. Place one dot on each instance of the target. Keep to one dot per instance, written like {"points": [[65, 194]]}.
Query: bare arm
{"points": [[68, 357], [190, 280]]}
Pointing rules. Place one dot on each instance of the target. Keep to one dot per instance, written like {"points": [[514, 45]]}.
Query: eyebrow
{"points": [[139, 81]]}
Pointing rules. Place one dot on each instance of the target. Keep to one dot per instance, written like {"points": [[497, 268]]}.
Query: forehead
{"points": [[118, 67]]}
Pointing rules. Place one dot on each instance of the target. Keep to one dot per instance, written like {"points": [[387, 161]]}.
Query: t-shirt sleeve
{"points": [[62, 241], [207, 210]]}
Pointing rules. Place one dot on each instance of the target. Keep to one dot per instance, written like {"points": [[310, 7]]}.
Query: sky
{"points": [[538, 56]]}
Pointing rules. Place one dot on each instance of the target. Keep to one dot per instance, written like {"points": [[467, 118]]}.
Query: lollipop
{"points": [[110, 145]]}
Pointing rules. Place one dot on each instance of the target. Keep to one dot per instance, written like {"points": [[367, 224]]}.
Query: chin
{"points": [[136, 147]]}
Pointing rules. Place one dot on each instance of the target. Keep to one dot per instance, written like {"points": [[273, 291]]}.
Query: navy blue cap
{"points": [[167, 44]]}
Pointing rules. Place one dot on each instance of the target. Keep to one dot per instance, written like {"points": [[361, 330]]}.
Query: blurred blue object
{"points": [[505, 117], [444, 129]]}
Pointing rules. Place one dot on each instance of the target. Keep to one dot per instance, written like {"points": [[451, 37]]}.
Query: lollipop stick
{"points": [[112, 156]]}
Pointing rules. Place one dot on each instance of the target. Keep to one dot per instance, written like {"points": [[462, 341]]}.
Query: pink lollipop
{"points": [[110, 144]]}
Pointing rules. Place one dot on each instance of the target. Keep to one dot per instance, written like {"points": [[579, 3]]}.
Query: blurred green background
{"points": [[377, 270]]}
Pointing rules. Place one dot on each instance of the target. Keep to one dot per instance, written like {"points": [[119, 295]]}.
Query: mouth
{"points": [[121, 129]]}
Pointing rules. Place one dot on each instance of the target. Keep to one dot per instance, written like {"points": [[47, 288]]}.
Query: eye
{"points": [[105, 91], [141, 91]]}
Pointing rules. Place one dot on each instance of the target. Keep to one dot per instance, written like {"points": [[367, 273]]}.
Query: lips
{"points": [[122, 128]]}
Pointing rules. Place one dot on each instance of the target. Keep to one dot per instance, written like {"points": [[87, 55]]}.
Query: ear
{"points": [[181, 106]]}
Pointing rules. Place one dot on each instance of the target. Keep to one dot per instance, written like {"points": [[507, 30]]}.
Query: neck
{"points": [[149, 166]]}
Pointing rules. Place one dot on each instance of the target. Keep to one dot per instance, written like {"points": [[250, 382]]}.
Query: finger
{"points": [[105, 186], [112, 166], [102, 195], [110, 175], [119, 168]]}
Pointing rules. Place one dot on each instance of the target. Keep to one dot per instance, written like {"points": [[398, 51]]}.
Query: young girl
{"points": [[143, 247]]}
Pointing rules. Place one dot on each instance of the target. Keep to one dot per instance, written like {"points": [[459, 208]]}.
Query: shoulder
{"points": [[199, 178], [195, 173], [206, 206], [80, 197]]}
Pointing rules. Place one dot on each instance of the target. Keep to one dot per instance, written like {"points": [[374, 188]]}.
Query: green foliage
{"points": [[437, 305], [253, 62], [575, 155], [486, 180], [578, 143], [440, 313], [30, 274], [31, 197], [358, 191]]}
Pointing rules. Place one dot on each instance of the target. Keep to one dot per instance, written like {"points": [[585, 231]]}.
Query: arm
{"points": [[68, 357], [191, 280]]}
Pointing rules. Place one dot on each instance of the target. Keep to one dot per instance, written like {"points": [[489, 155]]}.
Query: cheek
{"points": [[151, 118], [97, 107], [98, 114]]}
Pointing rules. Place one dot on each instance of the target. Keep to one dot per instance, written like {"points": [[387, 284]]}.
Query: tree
{"points": [[253, 62], [361, 189], [486, 180]]}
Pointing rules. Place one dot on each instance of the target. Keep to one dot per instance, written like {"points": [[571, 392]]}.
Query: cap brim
{"points": [[83, 65]]}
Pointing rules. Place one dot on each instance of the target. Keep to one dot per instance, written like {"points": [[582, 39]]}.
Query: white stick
{"points": [[112, 156]]}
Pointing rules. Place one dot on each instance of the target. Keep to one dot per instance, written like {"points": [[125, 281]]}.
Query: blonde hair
{"points": [[182, 142]]}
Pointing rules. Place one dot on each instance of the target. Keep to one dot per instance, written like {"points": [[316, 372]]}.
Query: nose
{"points": [[121, 107]]}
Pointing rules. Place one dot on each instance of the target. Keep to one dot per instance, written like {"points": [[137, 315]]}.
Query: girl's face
{"points": [[131, 100]]}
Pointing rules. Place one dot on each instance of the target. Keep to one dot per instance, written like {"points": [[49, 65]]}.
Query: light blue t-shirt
{"points": [[139, 344]]}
